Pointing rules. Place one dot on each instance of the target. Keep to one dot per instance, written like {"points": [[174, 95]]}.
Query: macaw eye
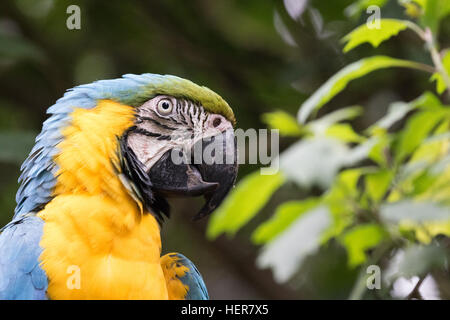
{"points": [[164, 107]]}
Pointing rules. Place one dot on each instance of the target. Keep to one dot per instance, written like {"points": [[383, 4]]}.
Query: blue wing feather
{"points": [[193, 279], [21, 277]]}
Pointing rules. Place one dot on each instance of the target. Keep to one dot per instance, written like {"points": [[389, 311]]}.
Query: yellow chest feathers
{"points": [[97, 243], [86, 256]]}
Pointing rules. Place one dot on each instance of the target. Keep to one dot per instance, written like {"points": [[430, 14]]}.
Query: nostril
{"points": [[216, 122]]}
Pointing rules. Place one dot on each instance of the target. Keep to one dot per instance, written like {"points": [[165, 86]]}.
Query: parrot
{"points": [[94, 191]]}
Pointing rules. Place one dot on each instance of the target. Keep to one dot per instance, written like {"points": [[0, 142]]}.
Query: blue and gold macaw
{"points": [[93, 191]]}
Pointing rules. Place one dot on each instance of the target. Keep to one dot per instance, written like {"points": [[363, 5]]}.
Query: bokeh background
{"points": [[251, 52]]}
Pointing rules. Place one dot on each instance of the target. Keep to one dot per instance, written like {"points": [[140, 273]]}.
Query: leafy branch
{"points": [[383, 190]]}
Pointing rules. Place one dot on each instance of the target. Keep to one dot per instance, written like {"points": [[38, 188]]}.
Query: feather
{"points": [[21, 277], [179, 269]]}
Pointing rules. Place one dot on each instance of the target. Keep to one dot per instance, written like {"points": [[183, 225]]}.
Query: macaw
{"points": [[93, 191]]}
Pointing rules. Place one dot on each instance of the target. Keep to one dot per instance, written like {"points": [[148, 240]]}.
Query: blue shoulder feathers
{"points": [[21, 277], [193, 279]]}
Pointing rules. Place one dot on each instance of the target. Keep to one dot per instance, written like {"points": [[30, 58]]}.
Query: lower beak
{"points": [[212, 177]]}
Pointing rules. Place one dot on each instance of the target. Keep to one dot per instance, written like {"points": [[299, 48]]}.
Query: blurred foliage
{"points": [[349, 176], [385, 188]]}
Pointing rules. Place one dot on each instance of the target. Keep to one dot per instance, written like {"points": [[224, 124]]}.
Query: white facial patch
{"points": [[165, 122]]}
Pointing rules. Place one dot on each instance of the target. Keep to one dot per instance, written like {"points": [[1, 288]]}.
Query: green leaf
{"points": [[410, 137], [395, 113], [426, 175], [415, 260], [286, 253], [284, 122], [379, 152], [320, 126], [344, 132], [377, 184], [412, 8], [317, 160], [432, 149], [423, 182], [249, 196], [284, 215], [339, 81], [421, 3], [341, 199], [398, 110], [407, 210], [341, 114], [441, 86], [427, 101], [425, 231], [344, 189], [439, 189], [417, 129], [15, 146], [434, 12], [375, 36], [359, 239]]}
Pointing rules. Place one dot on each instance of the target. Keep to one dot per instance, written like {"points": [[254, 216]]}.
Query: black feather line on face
{"points": [[135, 172], [145, 132], [140, 119]]}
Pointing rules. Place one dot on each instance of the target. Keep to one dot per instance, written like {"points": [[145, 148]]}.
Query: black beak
{"points": [[208, 169]]}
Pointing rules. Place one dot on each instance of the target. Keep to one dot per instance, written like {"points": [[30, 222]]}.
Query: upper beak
{"points": [[212, 177]]}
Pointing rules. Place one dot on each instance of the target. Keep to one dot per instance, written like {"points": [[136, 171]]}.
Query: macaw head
{"points": [[165, 153], [171, 138]]}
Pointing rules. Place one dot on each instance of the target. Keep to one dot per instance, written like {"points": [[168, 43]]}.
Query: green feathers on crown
{"points": [[153, 84]]}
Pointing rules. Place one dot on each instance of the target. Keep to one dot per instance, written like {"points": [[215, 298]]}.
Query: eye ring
{"points": [[164, 107]]}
